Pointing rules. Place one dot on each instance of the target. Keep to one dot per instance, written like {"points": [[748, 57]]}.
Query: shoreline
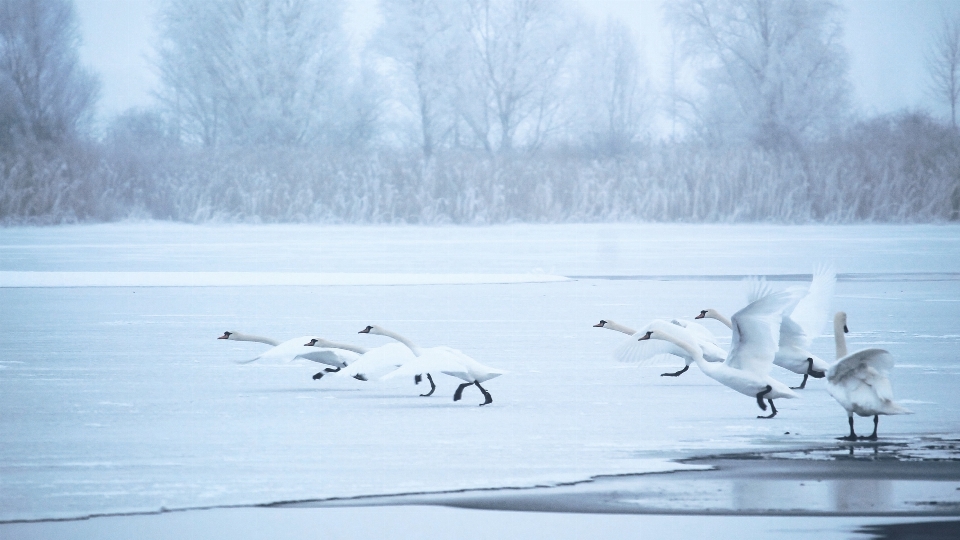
{"points": [[858, 479]]}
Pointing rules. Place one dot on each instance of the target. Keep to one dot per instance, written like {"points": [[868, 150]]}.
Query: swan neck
{"points": [[610, 325], [692, 350], [715, 315], [840, 338], [235, 336], [410, 345], [345, 346]]}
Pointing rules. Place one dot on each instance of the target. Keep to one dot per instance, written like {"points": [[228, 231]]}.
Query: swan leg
{"points": [[852, 436], [760, 395], [675, 373], [487, 398], [873, 436], [773, 409], [318, 376], [432, 387], [459, 393], [810, 373], [332, 370]]}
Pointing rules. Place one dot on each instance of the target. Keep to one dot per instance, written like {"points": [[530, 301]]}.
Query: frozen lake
{"points": [[116, 397]]}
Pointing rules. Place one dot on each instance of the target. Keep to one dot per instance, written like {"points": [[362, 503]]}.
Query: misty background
{"points": [[479, 111]]}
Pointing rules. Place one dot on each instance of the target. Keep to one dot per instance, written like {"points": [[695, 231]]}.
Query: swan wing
{"points": [[792, 335], [331, 357], [757, 288], [430, 364], [879, 360], [478, 370], [286, 351], [755, 335], [813, 310], [697, 330], [379, 361], [862, 380], [645, 352]]}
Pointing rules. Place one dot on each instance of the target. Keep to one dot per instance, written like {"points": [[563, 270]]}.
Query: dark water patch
{"points": [[851, 277], [924, 530]]}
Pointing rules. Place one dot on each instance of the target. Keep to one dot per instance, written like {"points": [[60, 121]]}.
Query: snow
{"points": [[120, 399]]}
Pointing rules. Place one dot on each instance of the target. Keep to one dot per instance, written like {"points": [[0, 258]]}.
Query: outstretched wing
{"points": [[813, 310], [757, 288], [756, 331], [331, 357], [646, 352]]}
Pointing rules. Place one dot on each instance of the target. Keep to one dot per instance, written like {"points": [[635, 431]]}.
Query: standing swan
{"points": [[752, 348], [859, 381], [634, 350], [294, 348], [799, 327], [440, 359], [372, 363]]}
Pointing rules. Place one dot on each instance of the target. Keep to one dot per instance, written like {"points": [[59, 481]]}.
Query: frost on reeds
{"points": [[895, 169]]}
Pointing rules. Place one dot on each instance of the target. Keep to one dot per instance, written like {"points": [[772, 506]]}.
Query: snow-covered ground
{"points": [[118, 398]]}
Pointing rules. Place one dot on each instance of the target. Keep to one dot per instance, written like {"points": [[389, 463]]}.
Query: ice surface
{"points": [[249, 279], [116, 399]]}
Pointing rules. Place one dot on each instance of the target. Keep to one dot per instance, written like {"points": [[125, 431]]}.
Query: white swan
{"points": [[440, 359], [633, 350], [752, 349], [859, 381], [373, 363], [800, 325], [294, 348]]}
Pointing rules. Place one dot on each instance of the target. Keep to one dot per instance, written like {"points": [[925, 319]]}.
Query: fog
{"points": [[481, 111]]}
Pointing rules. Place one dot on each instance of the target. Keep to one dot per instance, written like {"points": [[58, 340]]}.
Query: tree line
{"points": [[476, 111]]}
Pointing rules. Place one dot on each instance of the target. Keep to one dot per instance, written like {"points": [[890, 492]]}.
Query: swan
{"points": [[633, 350], [799, 327], [294, 348], [443, 359], [752, 349], [373, 363], [859, 381]]}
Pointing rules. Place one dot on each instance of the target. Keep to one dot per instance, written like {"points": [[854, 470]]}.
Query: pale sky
{"points": [[885, 40]]}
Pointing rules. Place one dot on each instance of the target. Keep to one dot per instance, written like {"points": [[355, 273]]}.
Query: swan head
{"points": [[372, 329], [840, 320], [226, 335], [703, 313], [648, 335], [602, 323]]}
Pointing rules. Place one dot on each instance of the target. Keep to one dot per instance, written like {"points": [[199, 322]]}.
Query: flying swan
{"points": [[440, 359], [800, 325], [373, 363], [636, 351], [752, 349], [294, 348]]}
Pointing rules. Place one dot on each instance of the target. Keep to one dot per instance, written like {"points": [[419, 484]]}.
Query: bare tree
{"points": [[252, 71], [515, 56], [421, 38], [773, 72], [943, 63], [47, 95], [613, 100]]}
